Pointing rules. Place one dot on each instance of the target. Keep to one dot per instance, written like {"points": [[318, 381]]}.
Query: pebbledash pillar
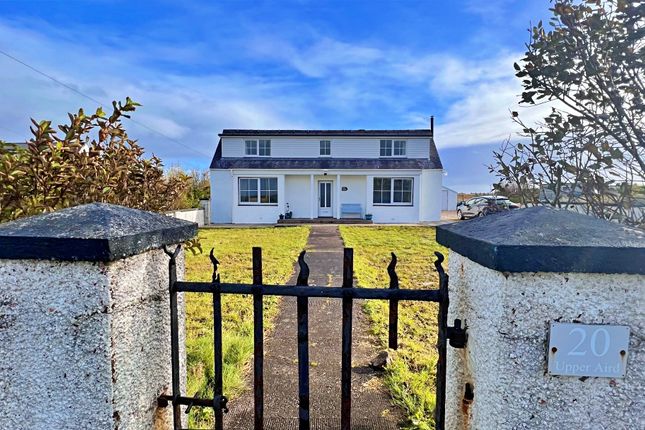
{"points": [[554, 304], [85, 318]]}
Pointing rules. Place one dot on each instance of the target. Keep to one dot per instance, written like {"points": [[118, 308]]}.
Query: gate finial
{"points": [[437, 263], [215, 262], [303, 276], [391, 270]]}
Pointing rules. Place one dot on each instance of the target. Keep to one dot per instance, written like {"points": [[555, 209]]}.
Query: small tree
{"points": [[591, 148], [198, 186], [90, 159]]}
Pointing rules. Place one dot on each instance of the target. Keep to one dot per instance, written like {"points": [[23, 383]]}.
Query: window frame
{"points": [[267, 148], [389, 148], [381, 147], [255, 146], [259, 190], [393, 179], [403, 148], [320, 148]]}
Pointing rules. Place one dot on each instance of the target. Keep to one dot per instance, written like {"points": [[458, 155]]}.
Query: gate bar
{"points": [[313, 291], [303, 347], [218, 388], [258, 341], [393, 334], [442, 340], [346, 371], [174, 336]]}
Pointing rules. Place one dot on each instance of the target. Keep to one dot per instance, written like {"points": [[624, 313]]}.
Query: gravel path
{"points": [[371, 407]]}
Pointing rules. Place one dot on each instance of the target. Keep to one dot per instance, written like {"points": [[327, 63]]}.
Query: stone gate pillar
{"points": [[85, 318], [515, 278]]}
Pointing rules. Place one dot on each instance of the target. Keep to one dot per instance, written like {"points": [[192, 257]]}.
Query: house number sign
{"points": [[588, 350]]}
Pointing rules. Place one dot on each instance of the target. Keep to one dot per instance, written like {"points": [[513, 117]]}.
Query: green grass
{"points": [[411, 375], [280, 248]]}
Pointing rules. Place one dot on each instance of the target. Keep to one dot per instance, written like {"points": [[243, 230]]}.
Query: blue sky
{"points": [[201, 66]]}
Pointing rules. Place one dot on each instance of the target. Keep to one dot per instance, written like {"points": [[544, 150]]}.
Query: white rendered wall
{"points": [[86, 345], [221, 197], [430, 195], [294, 188], [508, 316], [356, 191], [297, 194], [304, 147]]}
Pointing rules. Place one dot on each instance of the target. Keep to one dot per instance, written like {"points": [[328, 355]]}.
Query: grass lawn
{"points": [[280, 248], [411, 376]]}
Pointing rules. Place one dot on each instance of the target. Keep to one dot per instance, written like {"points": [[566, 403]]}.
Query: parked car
{"points": [[484, 205]]}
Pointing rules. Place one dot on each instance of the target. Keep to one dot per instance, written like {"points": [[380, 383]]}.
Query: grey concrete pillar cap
{"points": [[544, 239], [91, 232]]}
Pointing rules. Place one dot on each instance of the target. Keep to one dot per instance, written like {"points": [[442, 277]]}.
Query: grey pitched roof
{"points": [[432, 162], [323, 133]]}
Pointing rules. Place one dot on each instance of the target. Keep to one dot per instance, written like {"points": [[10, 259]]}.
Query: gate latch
{"points": [[457, 336], [219, 403]]}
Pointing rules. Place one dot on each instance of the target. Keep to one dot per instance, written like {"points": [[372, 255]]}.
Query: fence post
{"points": [[84, 321], [517, 276]]}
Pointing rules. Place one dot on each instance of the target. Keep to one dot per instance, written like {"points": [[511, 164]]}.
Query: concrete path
{"points": [[371, 407]]}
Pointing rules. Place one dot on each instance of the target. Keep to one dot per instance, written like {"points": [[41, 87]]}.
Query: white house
{"points": [[393, 175]]}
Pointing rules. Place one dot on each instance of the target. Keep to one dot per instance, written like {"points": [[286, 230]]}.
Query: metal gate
{"points": [[456, 335]]}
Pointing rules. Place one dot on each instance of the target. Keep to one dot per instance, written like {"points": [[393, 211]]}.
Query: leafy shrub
{"points": [[90, 159]]}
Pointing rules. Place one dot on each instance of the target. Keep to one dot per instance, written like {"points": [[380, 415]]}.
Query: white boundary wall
{"points": [[193, 215], [508, 317]]}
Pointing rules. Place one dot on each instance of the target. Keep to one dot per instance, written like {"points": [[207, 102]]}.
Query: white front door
{"points": [[324, 199]]}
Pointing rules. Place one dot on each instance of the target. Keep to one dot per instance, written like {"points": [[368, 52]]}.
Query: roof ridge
{"points": [[425, 132]]}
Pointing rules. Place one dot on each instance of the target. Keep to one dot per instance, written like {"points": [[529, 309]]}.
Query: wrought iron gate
{"points": [[455, 335]]}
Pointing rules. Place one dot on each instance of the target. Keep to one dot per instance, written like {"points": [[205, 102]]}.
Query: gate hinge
{"points": [[457, 336]]}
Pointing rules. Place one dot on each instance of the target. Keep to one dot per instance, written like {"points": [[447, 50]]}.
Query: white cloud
{"points": [[315, 81], [479, 93], [189, 108]]}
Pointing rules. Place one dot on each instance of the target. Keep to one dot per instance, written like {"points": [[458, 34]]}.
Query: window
{"points": [[394, 148], [399, 148], [265, 148], [392, 191], [263, 191], [251, 147], [386, 148], [325, 147], [382, 189], [269, 191], [248, 190], [402, 191]]}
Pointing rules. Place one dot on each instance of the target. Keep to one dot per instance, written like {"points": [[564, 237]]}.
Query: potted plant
{"points": [[368, 217], [288, 214], [281, 216]]}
